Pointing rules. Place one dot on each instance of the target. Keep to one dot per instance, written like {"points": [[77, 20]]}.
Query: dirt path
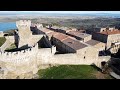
{"points": [[100, 75]]}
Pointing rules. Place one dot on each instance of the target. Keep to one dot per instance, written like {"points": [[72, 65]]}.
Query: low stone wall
{"points": [[100, 60]]}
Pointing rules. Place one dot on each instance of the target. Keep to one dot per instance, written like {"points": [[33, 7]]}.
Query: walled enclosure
{"points": [[27, 62]]}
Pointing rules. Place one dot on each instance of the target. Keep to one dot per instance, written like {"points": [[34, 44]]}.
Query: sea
{"points": [[4, 26]]}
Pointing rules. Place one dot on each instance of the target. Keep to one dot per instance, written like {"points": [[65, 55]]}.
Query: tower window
{"points": [[84, 57]]}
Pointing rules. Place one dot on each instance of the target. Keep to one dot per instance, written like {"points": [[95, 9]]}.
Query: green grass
{"points": [[11, 47], [2, 41], [70, 72]]}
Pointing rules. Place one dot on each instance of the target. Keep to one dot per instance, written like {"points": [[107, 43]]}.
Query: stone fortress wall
{"points": [[18, 56], [23, 27], [71, 58], [30, 60], [20, 62]]}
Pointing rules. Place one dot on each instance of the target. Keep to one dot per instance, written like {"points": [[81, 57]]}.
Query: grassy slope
{"points": [[2, 40], [70, 72]]}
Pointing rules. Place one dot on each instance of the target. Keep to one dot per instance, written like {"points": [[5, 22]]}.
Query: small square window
{"points": [[84, 57]]}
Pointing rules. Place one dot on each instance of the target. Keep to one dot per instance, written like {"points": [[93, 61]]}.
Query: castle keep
{"points": [[24, 32], [38, 47]]}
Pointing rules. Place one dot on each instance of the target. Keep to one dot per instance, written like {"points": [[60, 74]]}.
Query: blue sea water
{"points": [[7, 26]]}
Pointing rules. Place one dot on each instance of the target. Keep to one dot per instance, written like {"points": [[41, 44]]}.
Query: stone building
{"points": [[97, 44], [99, 29], [63, 30], [109, 36], [45, 31], [35, 28], [25, 63], [67, 44], [80, 36], [24, 37], [51, 35], [72, 45], [57, 41]]}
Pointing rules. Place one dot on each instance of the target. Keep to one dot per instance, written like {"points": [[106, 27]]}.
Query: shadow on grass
{"points": [[95, 67]]}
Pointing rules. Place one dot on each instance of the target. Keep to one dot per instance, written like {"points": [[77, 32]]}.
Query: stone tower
{"points": [[24, 32]]}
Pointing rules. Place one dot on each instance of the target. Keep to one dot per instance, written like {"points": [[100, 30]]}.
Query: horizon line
{"points": [[59, 12]]}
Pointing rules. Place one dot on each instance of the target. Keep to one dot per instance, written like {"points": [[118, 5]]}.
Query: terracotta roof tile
{"points": [[93, 42], [78, 34], [45, 30], [74, 43], [52, 33], [60, 36], [108, 32]]}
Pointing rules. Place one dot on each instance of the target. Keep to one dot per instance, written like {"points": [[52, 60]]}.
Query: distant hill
{"points": [[60, 14]]}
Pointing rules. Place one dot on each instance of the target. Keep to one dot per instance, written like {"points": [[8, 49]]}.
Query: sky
{"points": [[60, 12]]}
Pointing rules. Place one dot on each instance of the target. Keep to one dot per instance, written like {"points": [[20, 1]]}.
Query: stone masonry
{"points": [[24, 64]]}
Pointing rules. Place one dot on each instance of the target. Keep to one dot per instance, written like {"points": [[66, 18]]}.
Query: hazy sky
{"points": [[61, 12]]}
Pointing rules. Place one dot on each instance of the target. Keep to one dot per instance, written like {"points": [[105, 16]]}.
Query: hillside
{"points": [[68, 21]]}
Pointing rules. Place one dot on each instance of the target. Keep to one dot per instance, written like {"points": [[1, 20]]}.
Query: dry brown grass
{"points": [[100, 75]]}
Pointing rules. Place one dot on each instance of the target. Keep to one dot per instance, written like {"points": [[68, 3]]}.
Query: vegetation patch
{"points": [[2, 41], [10, 32], [12, 46], [72, 72]]}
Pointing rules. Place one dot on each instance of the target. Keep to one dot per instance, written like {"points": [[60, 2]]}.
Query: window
{"points": [[84, 57]]}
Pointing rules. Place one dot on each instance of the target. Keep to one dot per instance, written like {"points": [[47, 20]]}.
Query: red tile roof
{"points": [[45, 30], [60, 36], [52, 33], [78, 34], [93, 42], [74, 32], [108, 32], [74, 44]]}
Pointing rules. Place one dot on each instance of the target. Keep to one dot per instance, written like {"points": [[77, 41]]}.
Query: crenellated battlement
{"points": [[23, 23], [23, 55], [24, 32], [33, 48]]}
